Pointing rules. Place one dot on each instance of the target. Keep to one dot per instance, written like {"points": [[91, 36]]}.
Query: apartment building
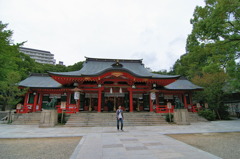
{"points": [[40, 56]]}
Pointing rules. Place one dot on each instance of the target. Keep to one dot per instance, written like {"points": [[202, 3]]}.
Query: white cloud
{"points": [[152, 30]]}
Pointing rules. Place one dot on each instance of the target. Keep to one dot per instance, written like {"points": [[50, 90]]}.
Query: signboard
{"points": [[55, 95], [153, 96], [206, 105], [76, 95], [169, 105], [198, 105], [19, 106], [168, 96], [63, 105]]}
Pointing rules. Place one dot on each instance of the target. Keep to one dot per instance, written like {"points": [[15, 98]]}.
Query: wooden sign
{"points": [[198, 105], [169, 105], [63, 105], [19, 106]]}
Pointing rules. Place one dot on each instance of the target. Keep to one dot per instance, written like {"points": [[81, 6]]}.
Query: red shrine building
{"points": [[104, 84]]}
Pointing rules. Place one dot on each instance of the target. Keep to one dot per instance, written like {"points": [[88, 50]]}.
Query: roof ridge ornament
{"points": [[117, 64]]}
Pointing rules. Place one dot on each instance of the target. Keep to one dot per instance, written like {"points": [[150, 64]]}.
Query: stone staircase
{"points": [[27, 119], [109, 119], [194, 117], [87, 119]]}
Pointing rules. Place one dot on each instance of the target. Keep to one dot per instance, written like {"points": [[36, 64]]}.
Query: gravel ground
{"points": [[224, 145], [38, 148]]}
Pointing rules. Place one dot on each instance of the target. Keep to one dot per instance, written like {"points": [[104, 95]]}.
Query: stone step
{"points": [[26, 122], [109, 119], [106, 121], [194, 117], [27, 119]]}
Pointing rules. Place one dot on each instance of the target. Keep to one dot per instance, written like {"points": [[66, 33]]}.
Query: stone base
{"points": [[49, 118], [181, 117]]}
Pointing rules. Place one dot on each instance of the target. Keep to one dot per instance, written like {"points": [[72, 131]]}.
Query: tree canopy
{"points": [[212, 51], [214, 43]]}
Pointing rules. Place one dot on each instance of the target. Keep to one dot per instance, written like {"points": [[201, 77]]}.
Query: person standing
{"points": [[119, 114]]}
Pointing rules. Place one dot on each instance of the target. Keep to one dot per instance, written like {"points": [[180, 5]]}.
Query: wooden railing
{"points": [[69, 109], [164, 109]]}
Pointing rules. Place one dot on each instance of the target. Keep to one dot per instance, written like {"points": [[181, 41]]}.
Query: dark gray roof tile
{"points": [[95, 66], [40, 81], [183, 84]]}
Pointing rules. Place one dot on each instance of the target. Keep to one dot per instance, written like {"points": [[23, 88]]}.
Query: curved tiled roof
{"points": [[96, 66], [40, 81], [182, 84]]}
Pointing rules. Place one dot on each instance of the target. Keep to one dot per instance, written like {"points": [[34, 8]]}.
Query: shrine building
{"points": [[104, 84]]}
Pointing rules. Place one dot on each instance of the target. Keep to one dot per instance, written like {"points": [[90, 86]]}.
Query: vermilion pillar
{"points": [[99, 99], [185, 100], [130, 100], [40, 102], [26, 99], [35, 102], [78, 104]]}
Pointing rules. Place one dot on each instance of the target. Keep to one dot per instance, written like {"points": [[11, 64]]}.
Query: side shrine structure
{"points": [[103, 85]]}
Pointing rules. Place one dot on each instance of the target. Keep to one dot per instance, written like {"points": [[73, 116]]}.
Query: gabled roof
{"points": [[98, 66], [40, 81], [182, 84]]}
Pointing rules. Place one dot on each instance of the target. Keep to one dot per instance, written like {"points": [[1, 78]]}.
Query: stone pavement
{"points": [[140, 142]]}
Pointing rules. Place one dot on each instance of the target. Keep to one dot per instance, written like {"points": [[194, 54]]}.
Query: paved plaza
{"points": [[140, 142]]}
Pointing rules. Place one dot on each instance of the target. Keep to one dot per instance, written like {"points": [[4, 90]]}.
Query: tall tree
{"points": [[9, 92], [214, 43], [6, 51], [213, 51], [10, 57], [213, 91], [13, 67]]}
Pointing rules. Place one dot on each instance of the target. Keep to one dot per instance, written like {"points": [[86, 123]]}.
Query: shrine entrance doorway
{"points": [[112, 103]]}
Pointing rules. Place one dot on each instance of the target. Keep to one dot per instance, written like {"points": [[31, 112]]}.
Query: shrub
{"points": [[224, 114], [168, 116], [208, 114]]}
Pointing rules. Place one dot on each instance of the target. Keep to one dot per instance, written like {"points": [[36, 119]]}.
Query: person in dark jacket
{"points": [[119, 115]]}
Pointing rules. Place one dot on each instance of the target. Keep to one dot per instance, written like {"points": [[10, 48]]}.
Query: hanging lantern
{"points": [[120, 90], [111, 90]]}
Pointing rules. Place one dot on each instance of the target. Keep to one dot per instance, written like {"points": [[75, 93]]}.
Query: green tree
{"points": [[14, 66], [214, 43], [77, 66], [213, 50], [213, 93], [7, 51], [10, 94], [10, 57]]}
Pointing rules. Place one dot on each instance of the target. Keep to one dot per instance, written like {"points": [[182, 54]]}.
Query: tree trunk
{"points": [[4, 105], [219, 117]]}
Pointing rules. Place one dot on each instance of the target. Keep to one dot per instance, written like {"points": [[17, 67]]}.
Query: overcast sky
{"points": [[152, 30]]}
